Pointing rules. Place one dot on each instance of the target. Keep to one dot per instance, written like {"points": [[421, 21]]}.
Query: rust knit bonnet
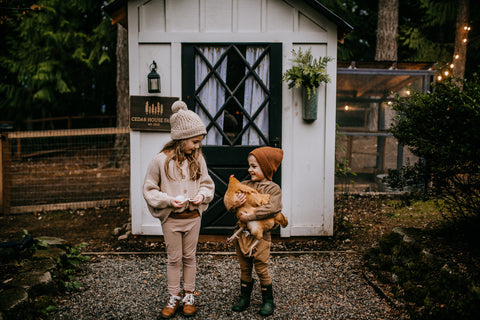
{"points": [[269, 159]]}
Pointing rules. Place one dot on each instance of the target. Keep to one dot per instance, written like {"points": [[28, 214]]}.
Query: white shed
{"points": [[225, 59]]}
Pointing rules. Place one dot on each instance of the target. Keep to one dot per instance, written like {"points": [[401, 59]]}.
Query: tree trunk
{"points": [[386, 50], [460, 52], [121, 149], [387, 28]]}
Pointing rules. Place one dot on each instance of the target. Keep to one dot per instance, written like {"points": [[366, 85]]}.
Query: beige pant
{"points": [[181, 238], [259, 260]]}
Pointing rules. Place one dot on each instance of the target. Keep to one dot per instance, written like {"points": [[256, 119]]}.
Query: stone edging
{"points": [[36, 278]]}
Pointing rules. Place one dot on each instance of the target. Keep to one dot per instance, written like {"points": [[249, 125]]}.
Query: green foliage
{"points": [[426, 31], [37, 244], [421, 48], [49, 309], [69, 265], [55, 59], [75, 256], [410, 178], [359, 44], [64, 276], [307, 72], [431, 288], [441, 127]]}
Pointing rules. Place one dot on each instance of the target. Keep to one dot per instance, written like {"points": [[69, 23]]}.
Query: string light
{"points": [[346, 108], [451, 65]]}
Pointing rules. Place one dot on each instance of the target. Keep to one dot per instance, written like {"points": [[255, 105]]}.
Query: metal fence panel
{"points": [[65, 169]]}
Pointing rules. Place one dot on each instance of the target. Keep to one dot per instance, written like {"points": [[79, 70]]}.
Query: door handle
{"points": [[275, 142]]}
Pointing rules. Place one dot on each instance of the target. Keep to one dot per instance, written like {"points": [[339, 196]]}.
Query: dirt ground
{"points": [[359, 222]]}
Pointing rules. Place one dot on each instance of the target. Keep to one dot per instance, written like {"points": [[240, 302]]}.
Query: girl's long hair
{"points": [[174, 152]]}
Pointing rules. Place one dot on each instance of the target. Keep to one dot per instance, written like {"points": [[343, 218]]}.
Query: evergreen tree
{"points": [[56, 59], [358, 45]]}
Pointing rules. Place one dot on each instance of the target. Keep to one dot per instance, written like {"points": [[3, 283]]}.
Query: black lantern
{"points": [[153, 79]]}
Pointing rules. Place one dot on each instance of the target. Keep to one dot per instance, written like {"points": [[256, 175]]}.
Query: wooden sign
{"points": [[151, 113]]}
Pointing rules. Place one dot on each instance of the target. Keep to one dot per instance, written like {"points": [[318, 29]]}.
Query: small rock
{"points": [[123, 237], [52, 241], [117, 231], [49, 253], [402, 232], [33, 282], [12, 298]]}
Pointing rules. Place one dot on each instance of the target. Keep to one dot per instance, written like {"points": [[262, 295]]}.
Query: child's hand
{"points": [[239, 199], [177, 203], [198, 199], [243, 217]]}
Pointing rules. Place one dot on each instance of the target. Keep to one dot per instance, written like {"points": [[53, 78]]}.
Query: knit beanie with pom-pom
{"points": [[185, 123], [269, 160]]}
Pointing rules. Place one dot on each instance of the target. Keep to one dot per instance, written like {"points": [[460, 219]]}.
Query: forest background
{"points": [[65, 58]]}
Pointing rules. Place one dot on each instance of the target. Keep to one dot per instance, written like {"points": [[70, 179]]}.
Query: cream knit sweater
{"points": [[158, 190]]}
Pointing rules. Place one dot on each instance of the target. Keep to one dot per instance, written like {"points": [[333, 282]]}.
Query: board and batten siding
{"points": [[156, 31]]}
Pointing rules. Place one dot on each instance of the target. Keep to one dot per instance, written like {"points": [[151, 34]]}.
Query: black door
{"points": [[236, 89]]}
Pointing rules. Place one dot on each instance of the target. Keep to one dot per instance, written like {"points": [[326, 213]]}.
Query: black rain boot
{"points": [[267, 304], [244, 300]]}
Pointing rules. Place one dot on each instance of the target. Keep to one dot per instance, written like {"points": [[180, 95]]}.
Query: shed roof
{"points": [[344, 28], [358, 80], [117, 10]]}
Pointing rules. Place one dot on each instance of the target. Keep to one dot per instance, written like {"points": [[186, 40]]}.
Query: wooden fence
{"points": [[81, 168], [64, 169]]}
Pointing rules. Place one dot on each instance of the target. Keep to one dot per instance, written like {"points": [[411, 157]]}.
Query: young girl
{"points": [[177, 190], [262, 164]]}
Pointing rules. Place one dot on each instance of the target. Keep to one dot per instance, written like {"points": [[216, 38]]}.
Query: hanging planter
{"points": [[307, 73], [310, 105]]}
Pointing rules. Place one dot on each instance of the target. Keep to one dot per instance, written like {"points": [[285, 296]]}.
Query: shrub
{"points": [[431, 289], [441, 127]]}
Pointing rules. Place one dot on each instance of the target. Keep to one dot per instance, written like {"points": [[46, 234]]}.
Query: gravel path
{"points": [[306, 286]]}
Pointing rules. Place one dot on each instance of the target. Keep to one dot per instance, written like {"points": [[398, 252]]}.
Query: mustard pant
{"points": [[259, 260], [181, 238]]}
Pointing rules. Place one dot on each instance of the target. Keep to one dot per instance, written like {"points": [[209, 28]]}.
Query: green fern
{"points": [[307, 72]]}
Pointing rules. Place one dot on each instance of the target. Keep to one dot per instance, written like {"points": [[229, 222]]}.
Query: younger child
{"points": [[177, 190], [262, 162]]}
